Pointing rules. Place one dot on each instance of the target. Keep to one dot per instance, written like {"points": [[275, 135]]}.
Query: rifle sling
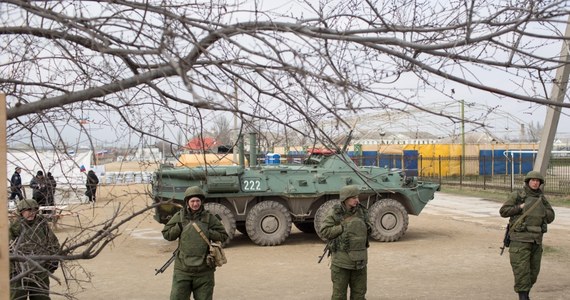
{"points": [[201, 233]]}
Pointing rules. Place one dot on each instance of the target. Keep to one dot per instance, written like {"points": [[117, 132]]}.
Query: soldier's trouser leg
{"points": [[535, 260], [41, 289], [525, 262], [204, 287], [36, 289], [357, 284], [183, 286], [340, 278], [17, 291]]}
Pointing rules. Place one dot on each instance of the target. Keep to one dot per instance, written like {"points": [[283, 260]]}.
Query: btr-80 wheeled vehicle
{"points": [[263, 201]]}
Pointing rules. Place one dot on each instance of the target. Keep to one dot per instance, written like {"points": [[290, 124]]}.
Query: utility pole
{"points": [[236, 133], [4, 238], [553, 112], [462, 137]]}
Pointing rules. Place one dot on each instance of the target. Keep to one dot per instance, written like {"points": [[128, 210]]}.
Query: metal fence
{"points": [[474, 175]]}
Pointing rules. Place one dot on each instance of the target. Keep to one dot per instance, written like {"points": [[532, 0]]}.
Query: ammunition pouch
{"points": [[534, 229], [358, 255]]}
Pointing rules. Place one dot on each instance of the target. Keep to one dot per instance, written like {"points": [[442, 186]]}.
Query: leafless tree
{"points": [[221, 130], [161, 69], [534, 132]]}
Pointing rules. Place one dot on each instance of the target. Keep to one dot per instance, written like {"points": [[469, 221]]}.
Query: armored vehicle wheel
{"points": [[228, 218], [321, 214], [306, 227], [268, 223], [389, 220]]}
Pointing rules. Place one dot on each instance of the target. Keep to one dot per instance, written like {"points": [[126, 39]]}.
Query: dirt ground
{"points": [[445, 254]]}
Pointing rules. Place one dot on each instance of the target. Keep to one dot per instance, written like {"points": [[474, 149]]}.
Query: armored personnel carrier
{"points": [[264, 201]]}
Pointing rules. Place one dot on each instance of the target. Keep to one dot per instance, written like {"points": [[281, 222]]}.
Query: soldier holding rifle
{"points": [[347, 228], [529, 214], [193, 274]]}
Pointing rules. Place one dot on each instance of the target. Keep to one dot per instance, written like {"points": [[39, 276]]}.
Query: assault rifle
{"points": [[506, 239], [167, 263], [326, 252]]}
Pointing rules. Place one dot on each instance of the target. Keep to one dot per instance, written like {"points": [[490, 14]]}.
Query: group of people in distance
{"points": [[346, 228], [43, 187]]}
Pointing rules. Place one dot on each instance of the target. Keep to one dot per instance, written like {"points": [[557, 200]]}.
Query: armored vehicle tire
{"points": [[321, 214], [268, 223], [305, 227], [389, 220], [228, 218]]}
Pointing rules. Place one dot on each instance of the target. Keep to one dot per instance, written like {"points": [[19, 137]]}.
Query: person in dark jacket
{"points": [[529, 213], [51, 184], [16, 185], [193, 274], [91, 185], [347, 228], [39, 187], [30, 235]]}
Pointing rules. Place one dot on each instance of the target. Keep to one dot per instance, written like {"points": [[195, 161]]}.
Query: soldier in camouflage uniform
{"points": [[192, 273], [30, 234], [346, 227], [526, 234]]}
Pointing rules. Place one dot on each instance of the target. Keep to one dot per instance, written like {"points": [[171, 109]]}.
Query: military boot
{"points": [[523, 296]]}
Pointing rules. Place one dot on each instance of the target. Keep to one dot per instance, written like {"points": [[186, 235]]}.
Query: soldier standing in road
{"points": [[16, 185], [192, 272], [529, 214], [30, 235], [346, 227]]}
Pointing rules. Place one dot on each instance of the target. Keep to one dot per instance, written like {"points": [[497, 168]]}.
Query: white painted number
{"points": [[251, 185]]}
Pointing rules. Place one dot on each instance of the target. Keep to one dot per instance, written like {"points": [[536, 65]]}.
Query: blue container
{"points": [[272, 158], [268, 158], [276, 158]]}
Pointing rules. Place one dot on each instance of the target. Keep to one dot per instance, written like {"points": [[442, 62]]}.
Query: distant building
{"points": [[147, 154]]}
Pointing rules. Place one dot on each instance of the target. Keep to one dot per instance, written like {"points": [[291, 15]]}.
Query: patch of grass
{"points": [[493, 195], [555, 251], [550, 250], [500, 196]]}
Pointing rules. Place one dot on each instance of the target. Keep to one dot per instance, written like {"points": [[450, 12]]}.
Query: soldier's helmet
{"points": [[27, 204], [194, 191], [348, 192], [534, 175]]}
